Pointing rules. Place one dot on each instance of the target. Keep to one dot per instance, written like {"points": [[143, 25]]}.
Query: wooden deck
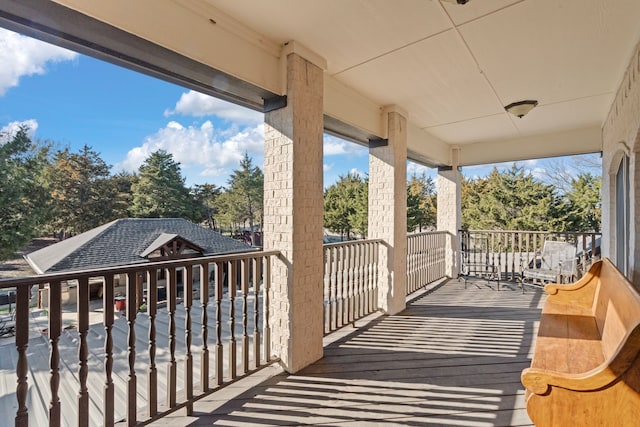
{"points": [[452, 358]]}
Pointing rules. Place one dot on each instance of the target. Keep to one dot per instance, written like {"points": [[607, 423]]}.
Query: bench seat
{"points": [[585, 368]]}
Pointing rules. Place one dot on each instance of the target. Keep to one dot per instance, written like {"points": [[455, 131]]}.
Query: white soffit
{"points": [[555, 51], [346, 33], [435, 79]]}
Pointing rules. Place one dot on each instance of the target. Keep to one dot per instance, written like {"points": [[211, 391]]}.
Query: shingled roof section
{"points": [[123, 242]]}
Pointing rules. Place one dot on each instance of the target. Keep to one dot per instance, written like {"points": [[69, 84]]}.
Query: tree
{"points": [[346, 206], [205, 198], [583, 203], [245, 198], [159, 191], [80, 190], [510, 200], [23, 194], [421, 203]]}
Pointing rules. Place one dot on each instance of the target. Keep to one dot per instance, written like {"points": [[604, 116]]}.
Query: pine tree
{"points": [[245, 195], [23, 193], [159, 191], [346, 206], [80, 190]]}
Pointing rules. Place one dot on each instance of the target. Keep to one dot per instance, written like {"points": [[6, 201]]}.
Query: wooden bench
{"points": [[585, 369]]}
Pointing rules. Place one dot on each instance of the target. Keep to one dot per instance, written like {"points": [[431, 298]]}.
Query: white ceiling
{"points": [[453, 67]]}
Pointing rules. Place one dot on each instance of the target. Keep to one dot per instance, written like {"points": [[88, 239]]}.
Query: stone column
{"points": [[449, 187], [388, 211], [293, 204]]}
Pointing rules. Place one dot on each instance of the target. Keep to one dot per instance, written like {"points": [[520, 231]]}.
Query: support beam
{"points": [[293, 216], [577, 141]]}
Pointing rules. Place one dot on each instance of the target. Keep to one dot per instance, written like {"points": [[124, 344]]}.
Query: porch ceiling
{"points": [[451, 67]]}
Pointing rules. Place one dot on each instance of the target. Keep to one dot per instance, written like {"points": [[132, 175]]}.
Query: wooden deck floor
{"points": [[452, 358]]}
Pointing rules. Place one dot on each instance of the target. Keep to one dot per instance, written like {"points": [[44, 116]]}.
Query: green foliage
{"points": [[81, 190], [514, 200], [159, 191], [23, 194], [242, 202], [205, 197], [346, 206], [421, 203], [583, 204]]}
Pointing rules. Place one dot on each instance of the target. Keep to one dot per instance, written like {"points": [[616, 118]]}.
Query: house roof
{"points": [[127, 241]]}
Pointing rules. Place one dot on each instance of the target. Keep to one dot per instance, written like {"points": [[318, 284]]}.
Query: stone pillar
{"points": [[388, 211], [449, 187], [293, 204]]}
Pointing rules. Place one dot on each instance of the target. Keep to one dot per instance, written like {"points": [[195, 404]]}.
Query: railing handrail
{"points": [[427, 233], [351, 242], [123, 269], [570, 233]]}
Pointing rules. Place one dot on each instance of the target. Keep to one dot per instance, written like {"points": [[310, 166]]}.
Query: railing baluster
{"points": [[108, 411], [339, 283], [131, 310], [204, 319], [266, 288], [326, 291], [188, 357], [219, 356], [172, 377], [55, 327], [152, 370], [232, 283], [22, 343], [245, 314], [257, 275], [83, 350]]}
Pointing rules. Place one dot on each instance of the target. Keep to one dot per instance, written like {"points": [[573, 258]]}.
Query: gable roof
{"points": [[165, 239], [125, 241]]}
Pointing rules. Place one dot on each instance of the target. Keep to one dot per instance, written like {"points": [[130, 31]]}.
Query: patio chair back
{"points": [[559, 256]]}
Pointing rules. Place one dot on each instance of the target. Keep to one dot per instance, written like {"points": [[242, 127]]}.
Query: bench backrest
{"points": [[616, 307], [559, 256]]}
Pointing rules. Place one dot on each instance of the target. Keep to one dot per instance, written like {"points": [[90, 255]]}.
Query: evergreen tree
{"points": [[159, 191], [510, 200], [244, 201], [346, 206], [421, 203], [205, 198], [23, 193], [584, 205], [80, 190]]}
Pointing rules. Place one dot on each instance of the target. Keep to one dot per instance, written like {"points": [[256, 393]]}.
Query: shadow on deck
{"points": [[452, 358]]}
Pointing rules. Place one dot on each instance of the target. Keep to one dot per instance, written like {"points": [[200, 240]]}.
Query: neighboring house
{"points": [[131, 241]]}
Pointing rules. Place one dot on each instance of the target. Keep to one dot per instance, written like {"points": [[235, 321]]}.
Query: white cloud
{"points": [[327, 167], [418, 169], [23, 56], [196, 104], [358, 172], [335, 146], [8, 131], [199, 150]]}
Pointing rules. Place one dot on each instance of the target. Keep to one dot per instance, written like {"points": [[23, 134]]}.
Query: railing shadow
{"points": [[453, 357]]}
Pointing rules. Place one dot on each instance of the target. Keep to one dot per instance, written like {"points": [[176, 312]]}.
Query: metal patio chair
{"points": [[556, 263]]}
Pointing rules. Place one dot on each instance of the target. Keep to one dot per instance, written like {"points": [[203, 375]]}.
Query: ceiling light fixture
{"points": [[457, 1], [521, 108]]}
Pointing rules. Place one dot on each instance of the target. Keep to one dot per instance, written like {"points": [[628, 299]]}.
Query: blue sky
{"points": [[73, 100]]}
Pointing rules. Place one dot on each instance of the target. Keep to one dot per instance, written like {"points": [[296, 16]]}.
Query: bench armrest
{"points": [[581, 292], [540, 381]]}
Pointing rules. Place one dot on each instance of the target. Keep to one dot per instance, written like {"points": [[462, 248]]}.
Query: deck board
{"points": [[452, 358]]}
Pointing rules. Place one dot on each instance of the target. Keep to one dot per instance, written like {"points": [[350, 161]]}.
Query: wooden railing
{"points": [[508, 249], [425, 259], [350, 282], [107, 367]]}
